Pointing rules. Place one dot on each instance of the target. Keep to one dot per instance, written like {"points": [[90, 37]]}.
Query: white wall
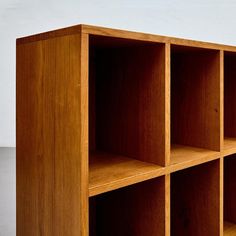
{"points": [[207, 20]]}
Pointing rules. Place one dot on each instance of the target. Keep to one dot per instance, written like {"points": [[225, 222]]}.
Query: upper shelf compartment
{"points": [[126, 105], [195, 102], [229, 103]]}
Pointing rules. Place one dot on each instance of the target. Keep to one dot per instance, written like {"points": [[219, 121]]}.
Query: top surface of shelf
{"points": [[102, 31], [229, 229], [229, 146], [182, 157], [109, 172]]}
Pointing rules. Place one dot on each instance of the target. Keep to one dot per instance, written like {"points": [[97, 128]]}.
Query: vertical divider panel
{"points": [[221, 196], [221, 142], [84, 142], [167, 104], [167, 205], [221, 100]]}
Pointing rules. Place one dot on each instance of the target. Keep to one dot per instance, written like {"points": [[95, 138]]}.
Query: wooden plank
{"points": [[229, 146], [195, 200], [183, 157], [109, 172], [102, 31], [167, 104], [221, 111], [52, 182], [136, 210], [167, 205], [195, 99], [229, 229], [221, 192]]}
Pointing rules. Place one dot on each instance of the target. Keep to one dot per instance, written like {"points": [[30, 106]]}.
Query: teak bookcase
{"points": [[125, 134]]}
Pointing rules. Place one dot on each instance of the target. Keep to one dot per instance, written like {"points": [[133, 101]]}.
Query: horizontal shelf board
{"points": [[182, 157], [229, 146], [229, 229], [109, 172]]}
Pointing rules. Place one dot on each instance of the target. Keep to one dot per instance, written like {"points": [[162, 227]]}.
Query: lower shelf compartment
{"points": [[229, 228], [137, 210], [230, 195], [182, 157], [195, 200], [229, 146], [108, 172]]}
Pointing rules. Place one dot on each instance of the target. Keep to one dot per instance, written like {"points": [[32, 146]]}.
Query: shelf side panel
{"points": [[51, 165]]}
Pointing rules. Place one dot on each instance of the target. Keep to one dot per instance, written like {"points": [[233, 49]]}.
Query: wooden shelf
{"points": [[229, 228], [108, 172], [182, 157], [117, 100], [229, 146]]}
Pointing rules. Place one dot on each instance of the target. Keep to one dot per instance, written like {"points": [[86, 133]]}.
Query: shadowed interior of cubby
{"points": [[230, 195], [229, 100], [195, 101], [126, 103], [137, 210], [195, 200]]}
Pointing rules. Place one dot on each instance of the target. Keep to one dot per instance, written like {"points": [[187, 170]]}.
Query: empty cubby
{"points": [[195, 102], [126, 106], [136, 210], [229, 101], [195, 200], [230, 195]]}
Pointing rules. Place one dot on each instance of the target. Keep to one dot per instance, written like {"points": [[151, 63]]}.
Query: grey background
{"points": [[7, 192], [206, 20]]}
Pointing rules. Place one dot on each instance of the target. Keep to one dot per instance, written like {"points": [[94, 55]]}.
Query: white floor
{"points": [[7, 192]]}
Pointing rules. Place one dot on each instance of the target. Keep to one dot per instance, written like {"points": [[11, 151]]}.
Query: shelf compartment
{"points": [[109, 172], [229, 194], [136, 210], [182, 157], [195, 97], [229, 146], [229, 97], [195, 200], [229, 229], [127, 98]]}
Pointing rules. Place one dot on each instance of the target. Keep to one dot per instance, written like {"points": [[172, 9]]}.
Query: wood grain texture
{"points": [[195, 99], [167, 103], [183, 157], [221, 193], [229, 146], [229, 95], [167, 205], [124, 34], [162, 113], [137, 210], [130, 101], [195, 201], [230, 188], [51, 137], [109, 172], [229, 229]]}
